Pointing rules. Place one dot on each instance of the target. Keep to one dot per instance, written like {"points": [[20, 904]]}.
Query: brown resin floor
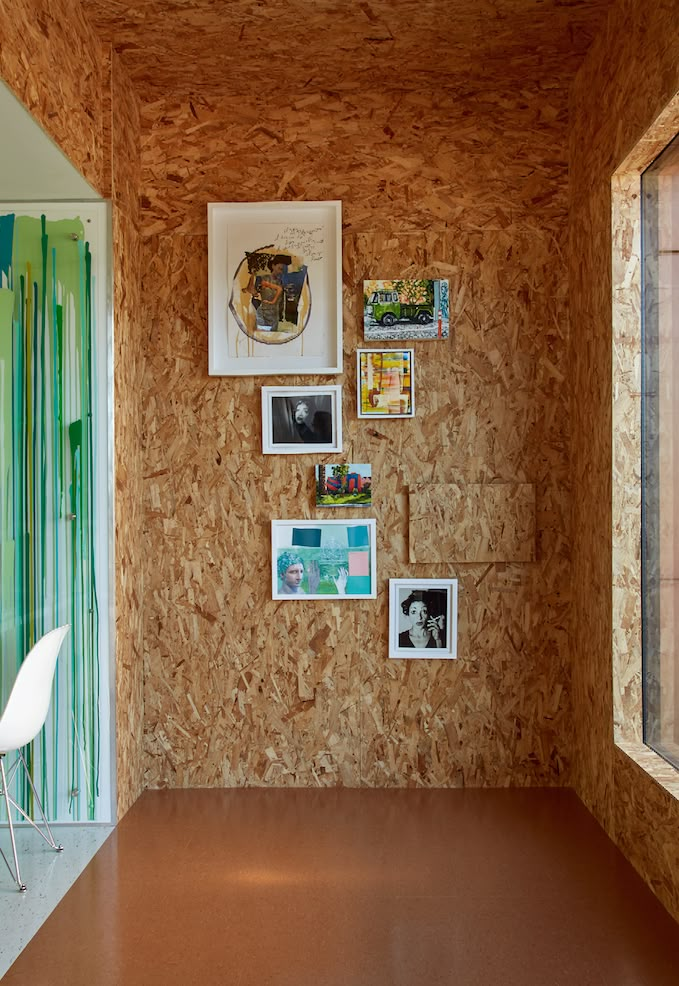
{"points": [[355, 888]]}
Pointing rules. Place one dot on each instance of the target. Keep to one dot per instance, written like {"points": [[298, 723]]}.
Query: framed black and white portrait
{"points": [[297, 420], [423, 618]]}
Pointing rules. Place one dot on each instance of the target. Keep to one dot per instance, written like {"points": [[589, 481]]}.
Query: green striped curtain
{"points": [[48, 501]]}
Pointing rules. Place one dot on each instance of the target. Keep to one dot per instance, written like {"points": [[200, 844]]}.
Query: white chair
{"points": [[22, 720]]}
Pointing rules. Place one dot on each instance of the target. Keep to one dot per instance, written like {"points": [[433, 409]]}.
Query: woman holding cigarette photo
{"points": [[426, 629]]}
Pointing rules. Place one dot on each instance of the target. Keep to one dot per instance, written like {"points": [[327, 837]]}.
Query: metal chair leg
{"points": [[50, 841], [11, 803], [15, 874]]}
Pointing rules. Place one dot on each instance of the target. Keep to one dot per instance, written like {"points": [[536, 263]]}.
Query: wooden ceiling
{"points": [[247, 45]]}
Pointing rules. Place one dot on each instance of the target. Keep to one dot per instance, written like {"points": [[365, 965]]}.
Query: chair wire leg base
{"points": [[15, 873], [23, 717], [49, 838], [11, 803]]}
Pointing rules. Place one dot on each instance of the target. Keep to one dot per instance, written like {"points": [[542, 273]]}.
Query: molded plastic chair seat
{"points": [[24, 716]]}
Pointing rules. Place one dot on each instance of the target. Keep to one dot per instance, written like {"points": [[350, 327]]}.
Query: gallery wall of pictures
{"points": [[274, 268], [301, 691]]}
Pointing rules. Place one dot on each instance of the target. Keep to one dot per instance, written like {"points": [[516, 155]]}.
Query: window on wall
{"points": [[660, 452]]}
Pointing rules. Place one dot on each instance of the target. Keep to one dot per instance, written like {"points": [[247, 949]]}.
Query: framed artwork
{"points": [[423, 618], [274, 288], [399, 309], [385, 383], [296, 420], [323, 559], [347, 484]]}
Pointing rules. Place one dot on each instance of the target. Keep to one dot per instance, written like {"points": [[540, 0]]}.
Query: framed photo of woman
{"points": [[423, 618], [299, 420]]}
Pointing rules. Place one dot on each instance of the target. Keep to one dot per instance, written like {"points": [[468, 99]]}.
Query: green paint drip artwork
{"points": [[48, 456]]}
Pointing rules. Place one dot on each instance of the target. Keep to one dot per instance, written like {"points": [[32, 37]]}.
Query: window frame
{"points": [[626, 520], [659, 681]]}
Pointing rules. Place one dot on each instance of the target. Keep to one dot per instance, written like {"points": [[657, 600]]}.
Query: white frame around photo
{"points": [[399, 592], [380, 394], [300, 245], [340, 554], [283, 434]]}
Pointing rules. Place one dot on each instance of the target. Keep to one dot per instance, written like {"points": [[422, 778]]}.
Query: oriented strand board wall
{"points": [[628, 77], [56, 66], [52, 61], [128, 363], [239, 690], [478, 522]]}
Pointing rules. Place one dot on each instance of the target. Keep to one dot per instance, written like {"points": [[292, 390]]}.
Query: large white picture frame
{"points": [[275, 288]]}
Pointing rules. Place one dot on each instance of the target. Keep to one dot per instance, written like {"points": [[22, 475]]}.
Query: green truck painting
{"points": [[405, 309], [387, 308]]}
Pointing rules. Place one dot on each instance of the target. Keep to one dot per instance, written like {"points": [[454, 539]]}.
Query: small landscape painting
{"points": [[344, 485]]}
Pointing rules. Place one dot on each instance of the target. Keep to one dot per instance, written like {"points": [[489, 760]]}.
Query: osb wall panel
{"points": [[240, 689], [626, 500], [128, 359], [125, 145], [54, 63], [179, 47], [438, 156], [473, 523], [629, 75], [646, 827]]}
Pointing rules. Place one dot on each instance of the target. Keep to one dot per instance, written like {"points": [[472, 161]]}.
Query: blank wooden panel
{"points": [[472, 523]]}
